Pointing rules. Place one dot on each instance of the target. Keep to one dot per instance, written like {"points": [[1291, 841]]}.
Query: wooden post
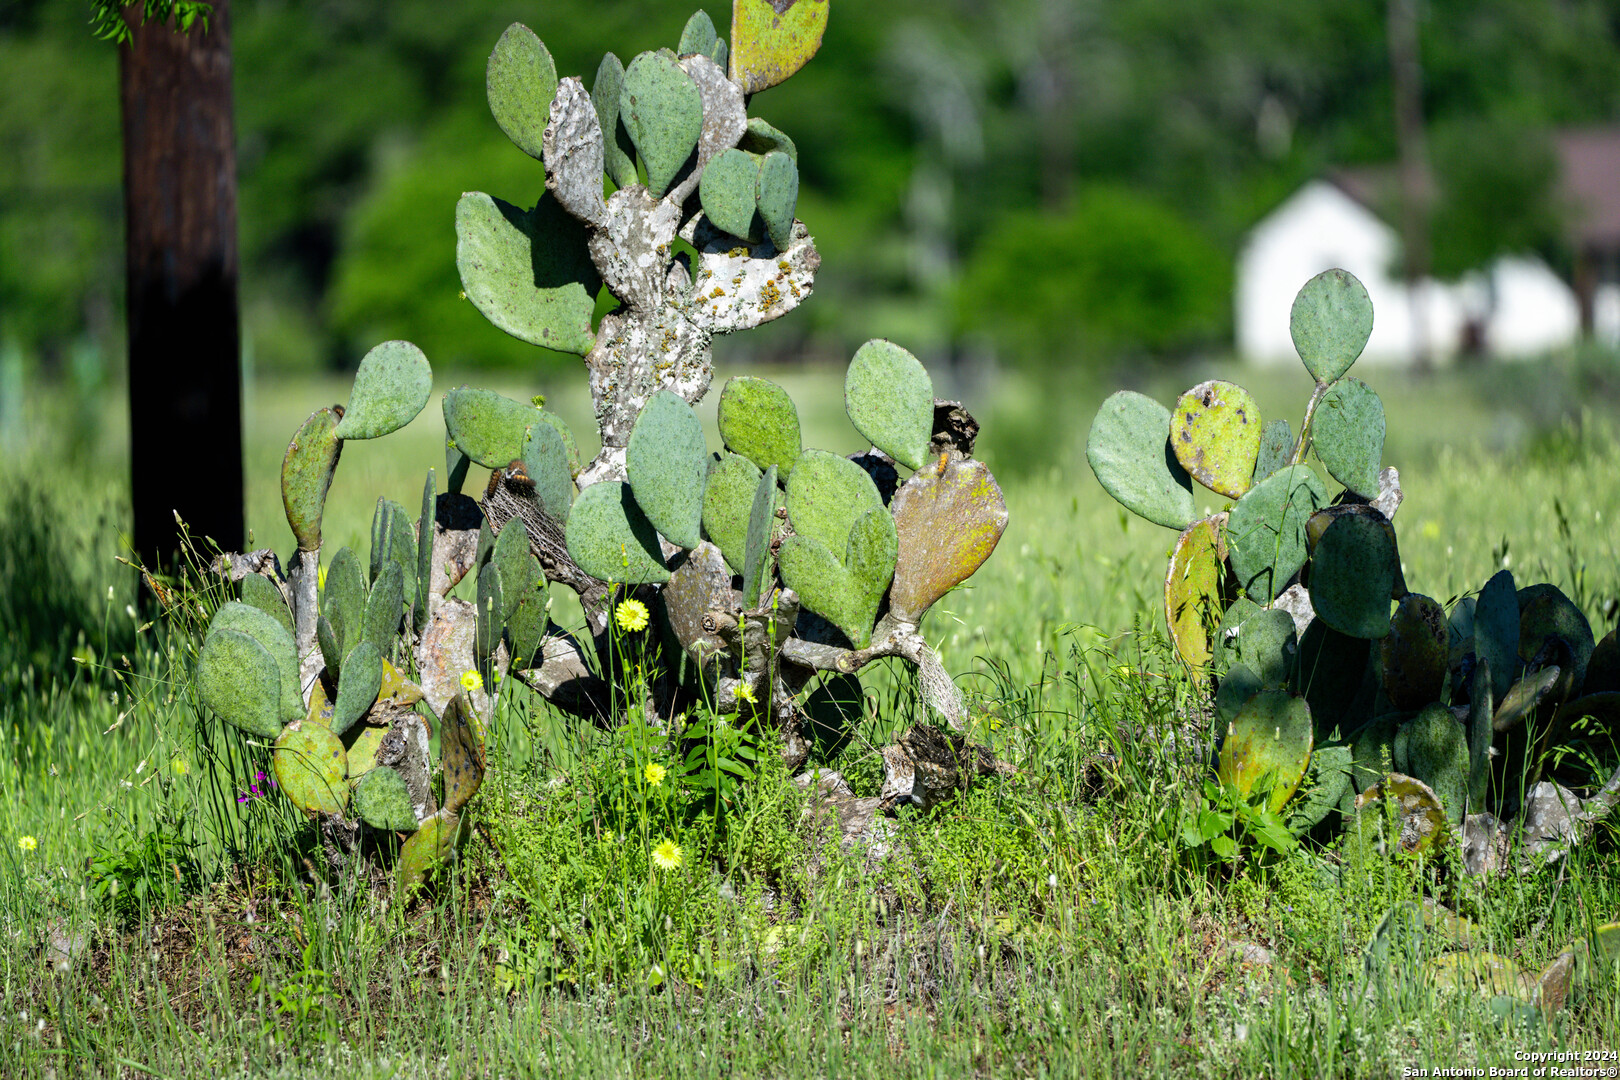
{"points": [[185, 396]]}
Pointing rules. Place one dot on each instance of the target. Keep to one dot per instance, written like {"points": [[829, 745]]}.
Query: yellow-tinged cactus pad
{"points": [[462, 752], [1268, 741], [1420, 818], [431, 844], [948, 519], [306, 474], [312, 768], [772, 39], [1215, 433], [1192, 603]]}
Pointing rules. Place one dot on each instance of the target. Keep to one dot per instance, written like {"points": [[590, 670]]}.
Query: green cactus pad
{"points": [[238, 678], [491, 601], [758, 420], [728, 500], [358, 687], [666, 463], [1544, 611], [1269, 738], [1353, 572], [362, 744], [1262, 640], [384, 609], [260, 592], [312, 768], [1481, 733], [1415, 654], [1523, 697], [761, 138], [521, 80], [526, 624], [429, 847], [826, 494], [320, 710], [605, 95], [1330, 671], [1265, 531], [1328, 784], [391, 387], [264, 629], [1129, 451], [1215, 433], [511, 557], [1374, 749], [757, 547], [462, 751], [306, 474], [1332, 319], [1496, 632], [391, 539], [612, 540], [948, 520], [1603, 669], [487, 427], [1237, 686], [396, 688], [729, 191], [1192, 601], [1433, 747], [890, 399], [456, 465], [772, 39], [330, 644], [343, 600], [698, 36], [528, 272], [424, 552], [1420, 818], [662, 110], [1276, 448], [1479, 972], [846, 594], [778, 197], [382, 801], [1347, 430]]}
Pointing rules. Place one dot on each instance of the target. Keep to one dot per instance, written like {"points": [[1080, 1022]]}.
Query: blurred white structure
{"points": [[1517, 308]]}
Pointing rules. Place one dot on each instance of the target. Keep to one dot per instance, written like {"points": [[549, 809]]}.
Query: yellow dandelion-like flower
{"points": [[632, 616], [667, 855], [471, 681], [744, 692], [654, 773], [28, 843]]}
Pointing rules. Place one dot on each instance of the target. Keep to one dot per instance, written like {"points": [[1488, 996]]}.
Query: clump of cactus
{"points": [[1329, 676], [774, 573]]}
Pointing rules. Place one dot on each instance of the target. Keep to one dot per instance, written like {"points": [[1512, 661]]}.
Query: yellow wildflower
{"points": [[471, 681], [632, 616], [654, 773], [28, 843], [744, 692], [667, 855]]}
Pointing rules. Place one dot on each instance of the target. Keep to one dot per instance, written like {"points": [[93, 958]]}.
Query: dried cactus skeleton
{"points": [[775, 573]]}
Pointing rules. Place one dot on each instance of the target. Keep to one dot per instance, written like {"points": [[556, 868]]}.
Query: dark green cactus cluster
{"points": [[1283, 600], [343, 735]]}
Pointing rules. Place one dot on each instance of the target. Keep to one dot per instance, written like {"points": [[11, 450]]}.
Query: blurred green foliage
{"points": [[933, 148]]}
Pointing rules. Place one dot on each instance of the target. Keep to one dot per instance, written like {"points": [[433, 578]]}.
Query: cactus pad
{"points": [[778, 197], [359, 686], [728, 500], [391, 539], [240, 681], [1347, 430], [1269, 739], [948, 520], [1420, 818], [487, 427], [306, 474], [1276, 448], [425, 530], [260, 592], [826, 494], [384, 608], [1215, 433], [1330, 775], [761, 527], [846, 594], [698, 36], [1237, 686], [429, 846], [343, 601], [382, 801], [462, 742], [1603, 668], [362, 745], [1433, 747], [1496, 632], [1481, 732], [1415, 654], [1480, 972], [520, 80], [761, 138], [666, 463], [1544, 611], [730, 192], [890, 399], [312, 769], [491, 625], [517, 567], [663, 112], [391, 387], [527, 622], [1265, 531], [616, 147], [264, 629], [1129, 451], [528, 272], [1353, 573], [758, 420], [1192, 591], [1374, 749], [1331, 670], [772, 39], [1262, 640], [1331, 320], [612, 540]]}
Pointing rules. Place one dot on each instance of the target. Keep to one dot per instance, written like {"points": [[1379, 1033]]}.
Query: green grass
{"points": [[1044, 924]]}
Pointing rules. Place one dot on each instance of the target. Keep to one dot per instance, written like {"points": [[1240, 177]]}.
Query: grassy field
{"points": [[165, 922]]}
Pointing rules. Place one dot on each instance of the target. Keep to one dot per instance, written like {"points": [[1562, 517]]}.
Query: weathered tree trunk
{"points": [[185, 397]]}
